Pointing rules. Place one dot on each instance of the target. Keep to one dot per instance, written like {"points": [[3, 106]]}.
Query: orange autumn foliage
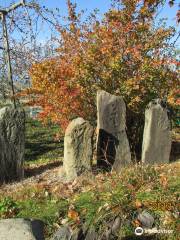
{"points": [[124, 54]]}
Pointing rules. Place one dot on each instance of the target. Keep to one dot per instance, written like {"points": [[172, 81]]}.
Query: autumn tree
{"points": [[125, 53]]}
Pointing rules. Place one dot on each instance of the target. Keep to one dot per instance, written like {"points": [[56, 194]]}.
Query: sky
{"points": [[102, 5]]}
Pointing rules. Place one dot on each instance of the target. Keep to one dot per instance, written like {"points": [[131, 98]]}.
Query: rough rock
{"points": [[113, 148], [78, 235], [146, 219], [12, 143], [63, 233], [116, 225], [66, 233], [21, 229], [91, 235], [156, 145], [78, 149]]}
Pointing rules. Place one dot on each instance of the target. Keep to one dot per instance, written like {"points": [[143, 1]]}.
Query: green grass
{"points": [[47, 210], [43, 208], [41, 146]]}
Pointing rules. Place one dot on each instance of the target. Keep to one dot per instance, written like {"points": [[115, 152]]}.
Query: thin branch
{"points": [[176, 39], [13, 7]]}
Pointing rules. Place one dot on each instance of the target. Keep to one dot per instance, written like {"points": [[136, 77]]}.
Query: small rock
{"points": [[146, 219], [77, 235], [91, 235], [62, 233], [21, 229], [107, 234], [116, 225]]}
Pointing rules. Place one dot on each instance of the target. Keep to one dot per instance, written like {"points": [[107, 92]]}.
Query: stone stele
{"points": [[113, 150], [12, 143], [78, 149], [156, 145]]}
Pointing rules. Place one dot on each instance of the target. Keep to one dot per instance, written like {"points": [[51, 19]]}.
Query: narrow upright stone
{"points": [[12, 143], [156, 145], [77, 148], [113, 149]]}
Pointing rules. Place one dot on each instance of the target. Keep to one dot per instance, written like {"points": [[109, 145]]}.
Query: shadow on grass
{"points": [[30, 172], [40, 144], [36, 150], [37, 136]]}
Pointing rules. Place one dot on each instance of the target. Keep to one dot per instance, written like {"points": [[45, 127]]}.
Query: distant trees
{"points": [[23, 21]]}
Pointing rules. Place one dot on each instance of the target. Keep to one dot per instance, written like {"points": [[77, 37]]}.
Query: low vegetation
{"points": [[98, 200], [43, 143], [94, 201]]}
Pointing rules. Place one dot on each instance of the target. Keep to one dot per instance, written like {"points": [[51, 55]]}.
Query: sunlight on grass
{"points": [[41, 145]]}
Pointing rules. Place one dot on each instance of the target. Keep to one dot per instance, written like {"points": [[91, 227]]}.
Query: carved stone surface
{"points": [[12, 143], [112, 143], [77, 148], [156, 145]]}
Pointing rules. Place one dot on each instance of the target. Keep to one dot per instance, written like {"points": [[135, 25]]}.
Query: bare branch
{"points": [[12, 7]]}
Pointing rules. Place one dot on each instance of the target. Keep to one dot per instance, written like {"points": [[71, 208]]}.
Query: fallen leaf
{"points": [[136, 223], [72, 214], [163, 181], [138, 204]]}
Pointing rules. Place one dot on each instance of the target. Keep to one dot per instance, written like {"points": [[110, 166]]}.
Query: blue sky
{"points": [[102, 5]]}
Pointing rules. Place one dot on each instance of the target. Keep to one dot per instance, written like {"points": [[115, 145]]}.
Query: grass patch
{"points": [[41, 146], [42, 207], [47, 210]]}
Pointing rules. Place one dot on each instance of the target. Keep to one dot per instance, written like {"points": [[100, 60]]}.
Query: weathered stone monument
{"points": [[156, 145], [77, 148], [12, 143], [113, 149]]}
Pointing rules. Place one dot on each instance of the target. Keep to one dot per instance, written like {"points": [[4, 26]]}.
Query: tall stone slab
{"points": [[156, 145], [77, 148], [113, 150], [12, 143]]}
